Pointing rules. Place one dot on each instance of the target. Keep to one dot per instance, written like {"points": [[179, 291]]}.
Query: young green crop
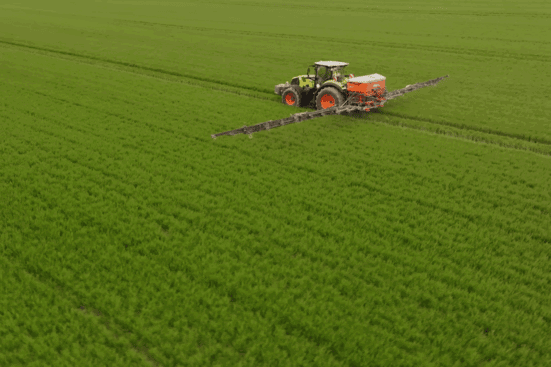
{"points": [[333, 242]]}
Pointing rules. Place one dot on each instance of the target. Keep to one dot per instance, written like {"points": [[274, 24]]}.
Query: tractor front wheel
{"points": [[290, 97], [328, 97]]}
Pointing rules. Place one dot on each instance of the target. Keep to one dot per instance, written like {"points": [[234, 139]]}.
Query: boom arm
{"points": [[410, 88], [340, 110]]}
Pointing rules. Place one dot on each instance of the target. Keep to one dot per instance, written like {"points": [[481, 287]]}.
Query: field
{"points": [[418, 235]]}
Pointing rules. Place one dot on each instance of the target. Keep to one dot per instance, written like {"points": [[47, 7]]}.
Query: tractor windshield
{"points": [[340, 72], [325, 73]]}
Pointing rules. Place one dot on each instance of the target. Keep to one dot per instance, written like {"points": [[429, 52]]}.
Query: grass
{"points": [[417, 236]]}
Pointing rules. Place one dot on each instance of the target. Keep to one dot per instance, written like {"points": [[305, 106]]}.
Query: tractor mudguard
{"points": [[280, 87], [334, 84], [297, 88]]}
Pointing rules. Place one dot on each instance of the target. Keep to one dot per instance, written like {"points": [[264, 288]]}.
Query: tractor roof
{"points": [[331, 63]]}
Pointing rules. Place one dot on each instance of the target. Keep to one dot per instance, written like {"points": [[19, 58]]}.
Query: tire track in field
{"points": [[132, 68], [352, 43], [366, 9], [376, 9], [490, 131], [370, 10], [146, 71], [530, 140], [172, 77], [236, 90]]}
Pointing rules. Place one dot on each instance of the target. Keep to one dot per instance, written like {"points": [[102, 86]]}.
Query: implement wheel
{"points": [[328, 97], [290, 97]]}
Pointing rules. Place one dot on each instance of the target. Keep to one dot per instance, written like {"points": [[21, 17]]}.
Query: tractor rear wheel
{"points": [[291, 97], [328, 97]]}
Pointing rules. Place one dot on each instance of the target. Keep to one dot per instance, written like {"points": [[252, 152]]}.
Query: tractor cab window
{"points": [[324, 73], [340, 73]]}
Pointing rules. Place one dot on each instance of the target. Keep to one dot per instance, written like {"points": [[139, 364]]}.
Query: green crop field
{"points": [[416, 235]]}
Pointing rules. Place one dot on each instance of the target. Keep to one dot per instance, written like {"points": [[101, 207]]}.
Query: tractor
{"points": [[334, 93], [331, 86]]}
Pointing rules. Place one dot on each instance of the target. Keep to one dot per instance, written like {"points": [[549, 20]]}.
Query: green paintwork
{"points": [[305, 82], [338, 85]]}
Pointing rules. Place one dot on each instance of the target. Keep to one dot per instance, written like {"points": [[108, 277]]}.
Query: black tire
{"points": [[291, 97], [328, 97]]}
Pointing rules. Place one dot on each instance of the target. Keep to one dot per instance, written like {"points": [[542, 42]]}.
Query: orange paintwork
{"points": [[364, 88], [367, 89], [290, 99], [327, 101]]}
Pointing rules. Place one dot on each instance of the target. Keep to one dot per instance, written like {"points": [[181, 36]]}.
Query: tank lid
{"points": [[367, 78]]}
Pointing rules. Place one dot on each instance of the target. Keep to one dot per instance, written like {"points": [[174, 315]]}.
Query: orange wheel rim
{"points": [[327, 101], [290, 99]]}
